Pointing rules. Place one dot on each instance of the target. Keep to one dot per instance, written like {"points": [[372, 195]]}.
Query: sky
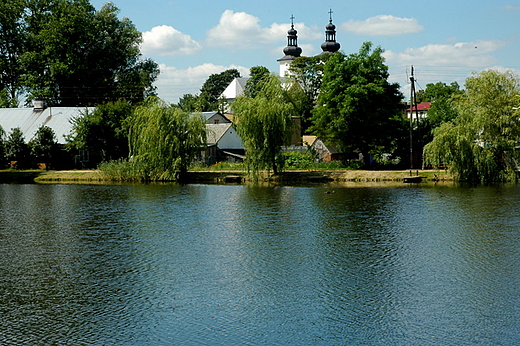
{"points": [[443, 40]]}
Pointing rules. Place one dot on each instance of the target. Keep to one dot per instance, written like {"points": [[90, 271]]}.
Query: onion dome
{"points": [[292, 50], [330, 45]]}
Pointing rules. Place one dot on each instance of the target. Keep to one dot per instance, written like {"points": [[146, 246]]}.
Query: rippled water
{"points": [[238, 265]]}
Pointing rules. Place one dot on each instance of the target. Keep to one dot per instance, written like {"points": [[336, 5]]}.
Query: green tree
{"points": [[437, 91], [480, 144], [43, 146], [103, 130], [164, 140], [307, 72], [264, 123], [6, 101], [442, 96], [189, 103], [358, 110], [12, 43], [258, 75], [77, 56], [16, 149], [214, 86]]}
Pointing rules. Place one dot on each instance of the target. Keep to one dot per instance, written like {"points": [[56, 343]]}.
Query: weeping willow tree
{"points": [[264, 122], [482, 144], [163, 142]]}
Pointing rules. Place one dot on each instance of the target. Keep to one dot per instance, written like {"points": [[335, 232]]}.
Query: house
{"points": [[213, 117], [235, 89], [223, 144], [420, 110], [325, 152], [59, 119]]}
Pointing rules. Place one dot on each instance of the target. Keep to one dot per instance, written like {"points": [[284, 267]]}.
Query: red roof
{"points": [[423, 106]]}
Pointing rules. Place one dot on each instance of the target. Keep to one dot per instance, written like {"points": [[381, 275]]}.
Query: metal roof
{"points": [[235, 88], [208, 115], [214, 132], [29, 120]]}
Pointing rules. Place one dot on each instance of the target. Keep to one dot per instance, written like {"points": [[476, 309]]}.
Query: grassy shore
{"points": [[42, 176], [223, 176]]}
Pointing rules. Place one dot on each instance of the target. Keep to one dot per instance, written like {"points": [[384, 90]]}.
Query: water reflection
{"points": [[170, 264]]}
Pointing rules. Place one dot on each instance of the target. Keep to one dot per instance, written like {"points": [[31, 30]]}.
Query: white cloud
{"points": [[165, 40], [240, 30], [173, 83], [476, 54], [383, 25], [511, 7]]}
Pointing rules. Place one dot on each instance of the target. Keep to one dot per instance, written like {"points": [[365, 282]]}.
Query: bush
{"points": [[298, 160]]}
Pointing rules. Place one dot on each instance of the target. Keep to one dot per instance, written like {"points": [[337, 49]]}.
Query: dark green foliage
{"points": [[44, 146], [358, 110], [258, 75], [190, 103], [6, 101], [16, 150], [69, 54], [438, 91], [13, 36], [214, 86], [298, 160], [103, 130], [307, 72]]}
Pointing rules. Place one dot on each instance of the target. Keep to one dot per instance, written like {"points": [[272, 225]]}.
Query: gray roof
{"points": [[208, 115], [214, 132], [29, 120], [235, 88]]}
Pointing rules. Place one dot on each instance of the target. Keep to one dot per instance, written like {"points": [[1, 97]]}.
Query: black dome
{"points": [[293, 51], [330, 26]]}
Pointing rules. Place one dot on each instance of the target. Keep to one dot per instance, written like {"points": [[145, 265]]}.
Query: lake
{"points": [[165, 264]]}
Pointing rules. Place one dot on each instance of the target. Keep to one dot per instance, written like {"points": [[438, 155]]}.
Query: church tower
{"points": [[330, 45], [292, 51]]}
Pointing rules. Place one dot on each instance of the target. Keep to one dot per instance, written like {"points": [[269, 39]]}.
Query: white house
{"points": [[223, 143], [421, 110]]}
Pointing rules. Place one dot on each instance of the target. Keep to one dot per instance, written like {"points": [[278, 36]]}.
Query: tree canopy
{"points": [[358, 110], [258, 75], [44, 146], [214, 86], [264, 123], [103, 130], [480, 144], [69, 54], [16, 149], [164, 140], [209, 97]]}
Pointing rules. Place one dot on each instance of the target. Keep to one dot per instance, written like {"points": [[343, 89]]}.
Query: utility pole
{"points": [[413, 103], [412, 91]]}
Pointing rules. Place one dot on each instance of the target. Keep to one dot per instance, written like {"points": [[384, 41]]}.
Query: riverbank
{"points": [[233, 176]]}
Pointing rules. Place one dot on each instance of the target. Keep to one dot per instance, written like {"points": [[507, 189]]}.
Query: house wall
{"points": [[230, 140]]}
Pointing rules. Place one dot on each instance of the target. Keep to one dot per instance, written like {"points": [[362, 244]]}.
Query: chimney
{"points": [[39, 105]]}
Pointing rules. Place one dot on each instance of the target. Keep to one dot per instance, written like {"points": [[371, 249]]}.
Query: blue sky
{"points": [[443, 40]]}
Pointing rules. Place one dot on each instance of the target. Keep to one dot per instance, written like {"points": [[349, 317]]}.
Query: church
{"points": [[291, 51]]}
